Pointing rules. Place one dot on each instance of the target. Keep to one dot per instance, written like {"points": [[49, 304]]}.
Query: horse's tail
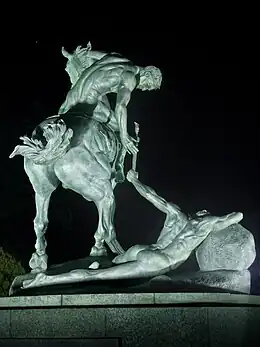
{"points": [[57, 137]]}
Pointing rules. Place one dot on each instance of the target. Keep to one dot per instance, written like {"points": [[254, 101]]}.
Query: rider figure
{"points": [[95, 74]]}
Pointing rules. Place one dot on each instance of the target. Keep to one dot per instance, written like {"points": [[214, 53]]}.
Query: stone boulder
{"points": [[232, 248]]}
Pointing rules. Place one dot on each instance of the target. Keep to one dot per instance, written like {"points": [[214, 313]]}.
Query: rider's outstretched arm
{"points": [[123, 98], [128, 84]]}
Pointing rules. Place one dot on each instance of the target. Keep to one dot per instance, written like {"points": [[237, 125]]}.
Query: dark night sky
{"points": [[199, 133]]}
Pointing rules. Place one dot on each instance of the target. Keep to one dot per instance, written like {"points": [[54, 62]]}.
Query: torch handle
{"points": [[134, 158]]}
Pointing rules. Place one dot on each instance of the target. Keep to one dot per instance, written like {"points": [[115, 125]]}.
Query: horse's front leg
{"points": [[44, 182], [39, 259]]}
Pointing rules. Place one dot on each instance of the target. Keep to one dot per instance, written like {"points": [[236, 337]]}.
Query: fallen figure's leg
{"points": [[148, 263]]}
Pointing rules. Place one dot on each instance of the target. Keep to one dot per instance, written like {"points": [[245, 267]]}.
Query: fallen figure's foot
{"points": [[74, 276], [98, 251]]}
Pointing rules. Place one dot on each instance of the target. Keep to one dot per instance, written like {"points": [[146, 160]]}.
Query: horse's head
{"points": [[77, 62]]}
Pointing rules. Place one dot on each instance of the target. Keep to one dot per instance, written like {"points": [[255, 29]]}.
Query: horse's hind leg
{"points": [[44, 182], [106, 231], [90, 176]]}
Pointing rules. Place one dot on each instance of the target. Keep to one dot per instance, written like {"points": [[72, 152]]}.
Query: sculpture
{"points": [[84, 146], [178, 238]]}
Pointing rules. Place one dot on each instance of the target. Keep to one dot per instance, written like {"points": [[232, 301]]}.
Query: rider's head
{"points": [[150, 78]]}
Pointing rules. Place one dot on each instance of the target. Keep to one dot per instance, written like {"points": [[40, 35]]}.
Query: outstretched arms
{"points": [[150, 194]]}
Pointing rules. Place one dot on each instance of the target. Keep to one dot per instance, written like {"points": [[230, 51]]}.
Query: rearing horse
{"points": [[84, 147]]}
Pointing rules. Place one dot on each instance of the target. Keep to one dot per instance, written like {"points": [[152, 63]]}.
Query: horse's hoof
{"points": [[98, 252], [38, 263]]}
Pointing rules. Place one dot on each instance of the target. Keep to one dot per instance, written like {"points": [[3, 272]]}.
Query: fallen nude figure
{"points": [[180, 235]]}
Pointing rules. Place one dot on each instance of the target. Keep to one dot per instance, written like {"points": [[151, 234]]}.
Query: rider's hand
{"points": [[128, 144], [132, 176]]}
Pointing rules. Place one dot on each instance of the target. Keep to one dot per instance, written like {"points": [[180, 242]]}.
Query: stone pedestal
{"points": [[133, 319]]}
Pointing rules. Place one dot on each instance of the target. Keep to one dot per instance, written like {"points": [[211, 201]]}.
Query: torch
{"points": [[134, 158]]}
